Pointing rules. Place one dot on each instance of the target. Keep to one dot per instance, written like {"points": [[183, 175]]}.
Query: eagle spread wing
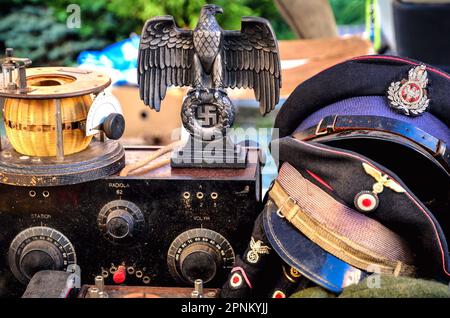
{"points": [[394, 186], [165, 59], [371, 171], [252, 61], [250, 58]]}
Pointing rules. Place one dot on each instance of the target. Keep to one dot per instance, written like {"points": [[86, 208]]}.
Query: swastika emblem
{"points": [[207, 115]]}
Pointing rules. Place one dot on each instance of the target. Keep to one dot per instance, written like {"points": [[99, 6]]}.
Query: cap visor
{"points": [[309, 259]]}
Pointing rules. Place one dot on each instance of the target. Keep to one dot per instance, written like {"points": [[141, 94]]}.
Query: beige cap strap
{"points": [[355, 238]]}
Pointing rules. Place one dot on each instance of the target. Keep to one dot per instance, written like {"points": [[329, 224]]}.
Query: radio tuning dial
{"points": [[119, 224], [121, 221], [39, 248], [199, 254]]}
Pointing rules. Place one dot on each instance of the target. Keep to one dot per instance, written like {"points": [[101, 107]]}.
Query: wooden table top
{"points": [[302, 59], [134, 154]]}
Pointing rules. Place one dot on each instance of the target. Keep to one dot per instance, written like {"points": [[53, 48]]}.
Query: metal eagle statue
{"points": [[209, 57]]}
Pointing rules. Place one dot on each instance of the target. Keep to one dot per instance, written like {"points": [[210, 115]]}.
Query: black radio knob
{"points": [[40, 255], [39, 248], [199, 261], [121, 221], [119, 224], [199, 254], [114, 126]]}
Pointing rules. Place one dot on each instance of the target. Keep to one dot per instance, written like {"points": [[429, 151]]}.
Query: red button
{"points": [[366, 202], [120, 275]]}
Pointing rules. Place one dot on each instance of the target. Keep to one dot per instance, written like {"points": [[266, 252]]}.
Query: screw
{"points": [[194, 294], [93, 292]]}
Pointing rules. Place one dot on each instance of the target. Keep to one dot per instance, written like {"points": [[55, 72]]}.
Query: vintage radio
{"points": [[63, 202]]}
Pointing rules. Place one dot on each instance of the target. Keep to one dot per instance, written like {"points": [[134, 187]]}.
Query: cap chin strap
{"points": [[347, 234], [332, 125]]}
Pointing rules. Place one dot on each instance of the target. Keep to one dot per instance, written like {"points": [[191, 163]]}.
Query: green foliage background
{"points": [[348, 12], [37, 28]]}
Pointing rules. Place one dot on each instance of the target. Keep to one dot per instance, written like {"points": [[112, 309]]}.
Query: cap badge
{"points": [[278, 294], [256, 248], [236, 280], [410, 96], [367, 201]]}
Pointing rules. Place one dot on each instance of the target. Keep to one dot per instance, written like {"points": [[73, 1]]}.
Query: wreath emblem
{"points": [[410, 96], [216, 98]]}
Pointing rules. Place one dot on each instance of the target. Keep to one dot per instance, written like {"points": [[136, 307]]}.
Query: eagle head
{"points": [[211, 9]]}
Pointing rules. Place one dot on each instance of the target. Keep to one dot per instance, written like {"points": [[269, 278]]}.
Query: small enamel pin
{"points": [[236, 280], [256, 248], [278, 294], [410, 96], [367, 201]]}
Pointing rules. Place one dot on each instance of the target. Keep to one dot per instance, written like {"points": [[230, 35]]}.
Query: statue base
{"points": [[214, 154]]}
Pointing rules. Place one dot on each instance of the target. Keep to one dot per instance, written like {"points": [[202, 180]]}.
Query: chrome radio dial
{"points": [[39, 248]]}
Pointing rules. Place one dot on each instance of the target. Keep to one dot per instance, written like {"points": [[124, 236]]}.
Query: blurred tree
{"points": [[97, 19], [45, 38], [268, 10], [34, 32], [348, 12], [37, 28], [186, 12]]}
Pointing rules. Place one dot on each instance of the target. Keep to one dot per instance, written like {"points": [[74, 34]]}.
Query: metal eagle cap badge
{"points": [[367, 201], [256, 248], [410, 96]]}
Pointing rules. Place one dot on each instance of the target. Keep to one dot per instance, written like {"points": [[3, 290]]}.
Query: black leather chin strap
{"points": [[341, 123]]}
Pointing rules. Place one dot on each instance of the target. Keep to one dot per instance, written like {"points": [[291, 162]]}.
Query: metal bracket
{"points": [[59, 131], [328, 128], [282, 206], [8, 65]]}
